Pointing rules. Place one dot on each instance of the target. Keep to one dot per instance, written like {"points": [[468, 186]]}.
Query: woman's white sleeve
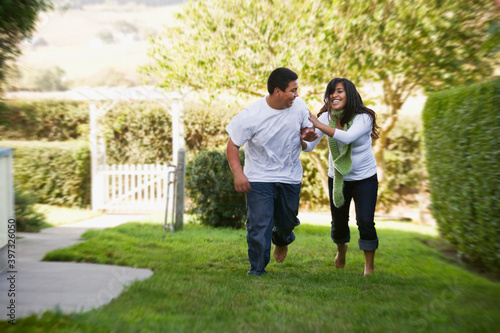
{"points": [[361, 125]]}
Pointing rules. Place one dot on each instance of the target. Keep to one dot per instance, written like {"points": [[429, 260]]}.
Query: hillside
{"points": [[94, 41]]}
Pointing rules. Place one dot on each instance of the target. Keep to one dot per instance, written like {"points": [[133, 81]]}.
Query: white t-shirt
{"points": [[272, 141], [363, 160]]}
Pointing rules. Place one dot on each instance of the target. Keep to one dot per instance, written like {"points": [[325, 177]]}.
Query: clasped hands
{"points": [[309, 133]]}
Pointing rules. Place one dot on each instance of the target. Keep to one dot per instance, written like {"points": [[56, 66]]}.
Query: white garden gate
{"points": [[136, 188]]}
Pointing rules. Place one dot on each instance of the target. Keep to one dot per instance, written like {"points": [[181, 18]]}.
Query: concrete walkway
{"points": [[36, 286]]}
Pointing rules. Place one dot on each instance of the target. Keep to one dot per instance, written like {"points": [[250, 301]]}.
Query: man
{"points": [[270, 129]]}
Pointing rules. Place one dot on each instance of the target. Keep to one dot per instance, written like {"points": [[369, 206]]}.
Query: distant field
{"points": [[83, 61], [72, 40], [79, 27]]}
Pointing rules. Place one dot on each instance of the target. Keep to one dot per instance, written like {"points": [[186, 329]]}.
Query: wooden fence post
{"points": [[96, 199], [179, 189]]}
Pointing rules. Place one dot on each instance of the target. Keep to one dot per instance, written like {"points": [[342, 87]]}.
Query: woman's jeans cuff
{"points": [[344, 240], [368, 245]]}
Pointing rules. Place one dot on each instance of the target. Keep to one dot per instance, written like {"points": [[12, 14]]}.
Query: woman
{"points": [[352, 174]]}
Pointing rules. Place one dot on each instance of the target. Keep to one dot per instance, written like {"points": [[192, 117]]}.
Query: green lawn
{"points": [[200, 285]]}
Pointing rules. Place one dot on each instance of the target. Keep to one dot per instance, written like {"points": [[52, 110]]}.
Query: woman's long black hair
{"points": [[353, 106]]}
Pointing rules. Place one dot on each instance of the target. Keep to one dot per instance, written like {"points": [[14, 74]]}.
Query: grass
{"points": [[200, 284]]}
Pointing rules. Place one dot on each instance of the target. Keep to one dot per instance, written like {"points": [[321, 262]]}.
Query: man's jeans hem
{"points": [[254, 273]]}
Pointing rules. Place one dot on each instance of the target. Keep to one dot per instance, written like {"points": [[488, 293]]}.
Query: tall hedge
{"points": [[141, 132], [462, 139], [54, 173], [135, 131], [50, 120]]}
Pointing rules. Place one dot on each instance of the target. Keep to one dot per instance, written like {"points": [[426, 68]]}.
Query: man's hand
{"points": [[308, 134], [241, 183]]}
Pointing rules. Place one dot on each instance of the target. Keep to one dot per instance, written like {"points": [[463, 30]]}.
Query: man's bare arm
{"points": [[241, 183]]}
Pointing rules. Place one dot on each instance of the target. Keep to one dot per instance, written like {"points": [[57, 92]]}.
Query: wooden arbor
{"points": [[132, 188]]}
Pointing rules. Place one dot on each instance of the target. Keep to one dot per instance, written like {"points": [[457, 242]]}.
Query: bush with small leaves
{"points": [[209, 184], [27, 218]]}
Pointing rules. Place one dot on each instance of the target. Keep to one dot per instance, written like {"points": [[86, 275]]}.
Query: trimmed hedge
{"points": [[135, 132], [54, 173], [461, 133], [138, 133], [45, 119]]}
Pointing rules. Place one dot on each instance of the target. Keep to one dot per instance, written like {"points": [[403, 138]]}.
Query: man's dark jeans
{"points": [[272, 210]]}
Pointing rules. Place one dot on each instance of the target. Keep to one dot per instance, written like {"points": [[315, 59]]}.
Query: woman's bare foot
{"points": [[280, 253], [340, 257], [369, 265]]}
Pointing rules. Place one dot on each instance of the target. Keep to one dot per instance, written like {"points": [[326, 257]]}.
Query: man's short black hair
{"points": [[280, 78]]}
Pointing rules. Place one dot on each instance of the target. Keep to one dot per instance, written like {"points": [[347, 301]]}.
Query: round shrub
{"points": [[209, 184], [27, 218]]}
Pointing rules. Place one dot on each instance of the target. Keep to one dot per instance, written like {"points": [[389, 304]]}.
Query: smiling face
{"points": [[285, 99], [288, 96], [338, 98]]}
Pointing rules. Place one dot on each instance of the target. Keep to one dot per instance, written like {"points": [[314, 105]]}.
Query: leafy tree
{"points": [[230, 44], [17, 22], [50, 79], [125, 27], [425, 44], [106, 37]]}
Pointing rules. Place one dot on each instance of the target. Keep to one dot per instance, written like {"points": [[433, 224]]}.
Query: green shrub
{"points": [[27, 218], [209, 184], [405, 168], [106, 37], [462, 141], [55, 173], [49, 79]]}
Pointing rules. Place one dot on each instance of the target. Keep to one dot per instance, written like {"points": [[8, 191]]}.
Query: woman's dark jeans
{"points": [[364, 193]]}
